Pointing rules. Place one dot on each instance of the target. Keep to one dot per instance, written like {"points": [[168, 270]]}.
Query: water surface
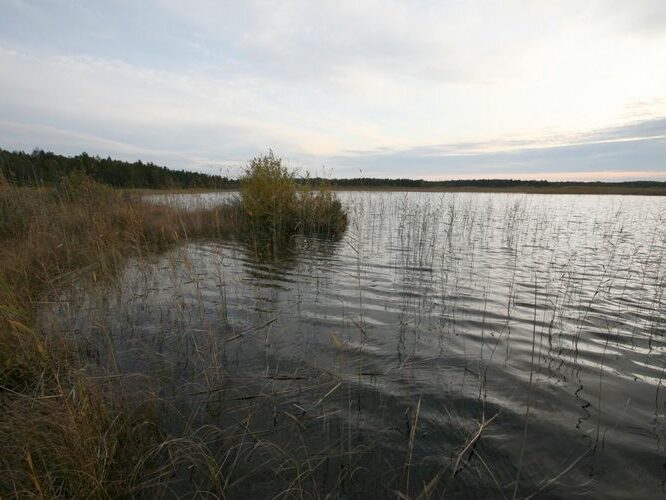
{"points": [[366, 365]]}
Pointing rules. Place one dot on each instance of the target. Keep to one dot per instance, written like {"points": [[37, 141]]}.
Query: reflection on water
{"points": [[366, 365]]}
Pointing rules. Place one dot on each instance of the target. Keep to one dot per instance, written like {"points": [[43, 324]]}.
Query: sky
{"points": [[558, 90]]}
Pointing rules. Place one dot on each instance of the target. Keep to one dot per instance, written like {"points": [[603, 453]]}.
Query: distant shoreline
{"points": [[603, 189], [41, 168]]}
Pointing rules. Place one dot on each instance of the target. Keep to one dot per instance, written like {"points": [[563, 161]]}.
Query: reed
{"points": [[63, 432]]}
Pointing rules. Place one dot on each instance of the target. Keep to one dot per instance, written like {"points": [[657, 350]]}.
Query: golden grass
{"points": [[62, 433]]}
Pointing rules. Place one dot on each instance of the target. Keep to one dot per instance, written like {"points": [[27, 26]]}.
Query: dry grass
{"points": [[82, 224], [63, 432]]}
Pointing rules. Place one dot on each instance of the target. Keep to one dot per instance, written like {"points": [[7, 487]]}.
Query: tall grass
{"points": [[63, 432]]}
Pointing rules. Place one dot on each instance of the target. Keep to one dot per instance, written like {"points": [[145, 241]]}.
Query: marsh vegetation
{"points": [[291, 343]]}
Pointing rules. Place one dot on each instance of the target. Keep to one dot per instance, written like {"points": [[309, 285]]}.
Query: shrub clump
{"points": [[276, 207]]}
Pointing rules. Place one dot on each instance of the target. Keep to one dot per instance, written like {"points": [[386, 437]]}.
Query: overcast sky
{"points": [[448, 89]]}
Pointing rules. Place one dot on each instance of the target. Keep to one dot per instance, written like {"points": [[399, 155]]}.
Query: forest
{"points": [[46, 168], [41, 168]]}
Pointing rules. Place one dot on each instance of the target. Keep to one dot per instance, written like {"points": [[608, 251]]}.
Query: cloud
{"points": [[439, 84]]}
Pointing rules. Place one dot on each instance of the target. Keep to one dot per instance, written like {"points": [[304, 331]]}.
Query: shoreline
{"points": [[570, 190]]}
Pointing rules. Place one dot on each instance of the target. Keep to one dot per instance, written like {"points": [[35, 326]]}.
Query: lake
{"points": [[458, 344]]}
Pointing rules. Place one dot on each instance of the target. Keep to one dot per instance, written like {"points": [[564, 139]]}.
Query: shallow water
{"points": [[364, 366]]}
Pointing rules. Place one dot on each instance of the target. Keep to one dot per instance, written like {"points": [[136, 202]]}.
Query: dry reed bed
{"points": [[62, 432]]}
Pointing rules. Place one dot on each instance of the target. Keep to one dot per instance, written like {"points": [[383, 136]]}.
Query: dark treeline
{"points": [[371, 182], [44, 168]]}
